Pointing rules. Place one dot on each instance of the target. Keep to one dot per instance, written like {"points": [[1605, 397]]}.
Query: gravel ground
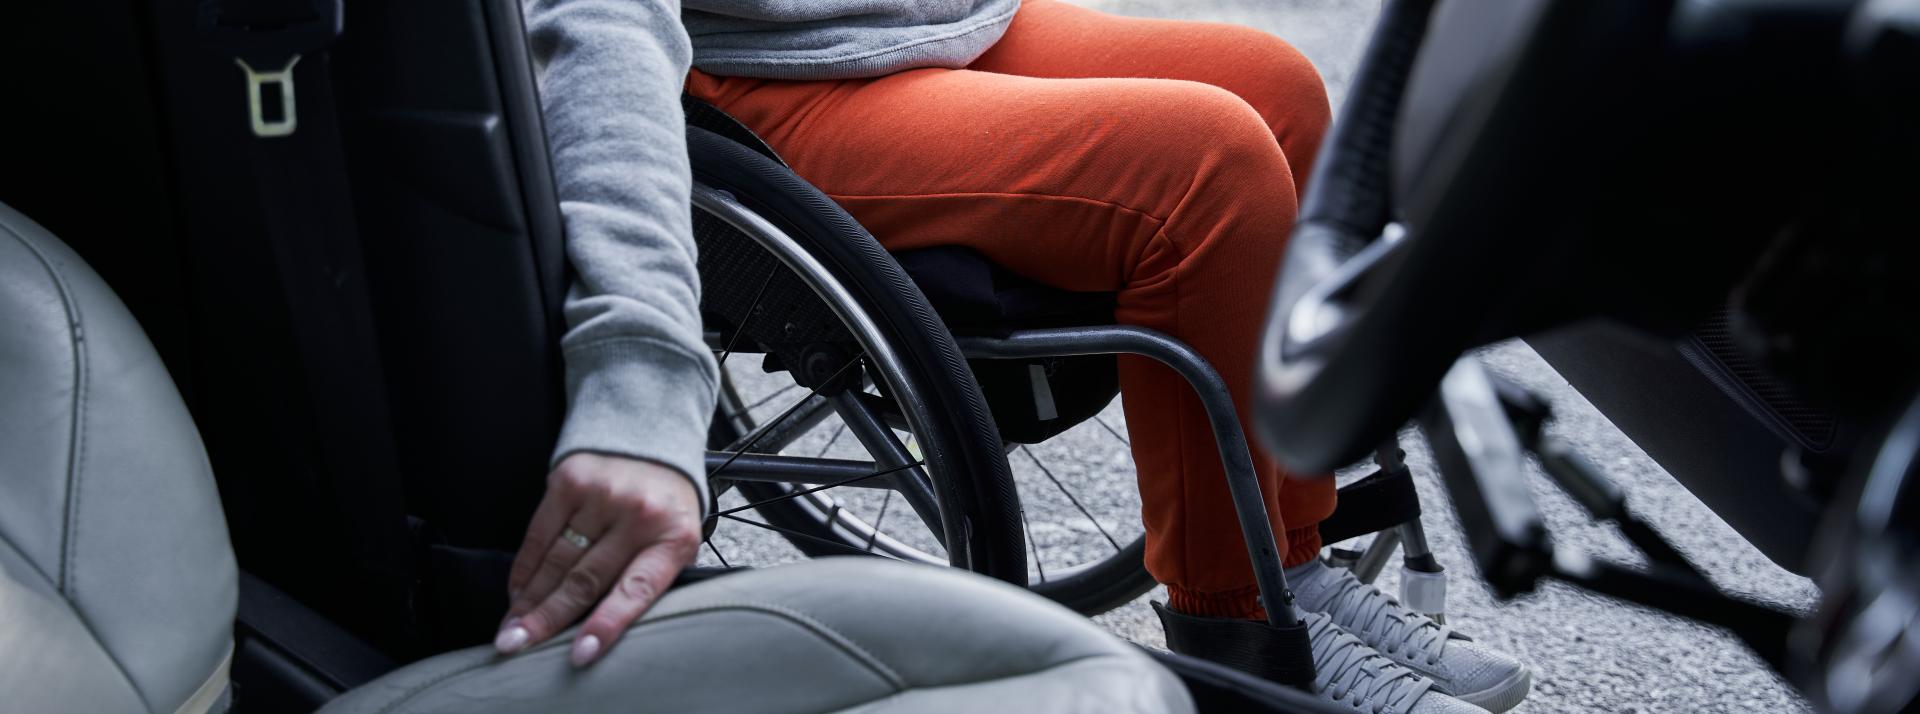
{"points": [[1589, 653]]}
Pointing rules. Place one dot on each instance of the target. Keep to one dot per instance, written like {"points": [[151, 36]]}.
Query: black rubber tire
{"points": [[1103, 585], [975, 487]]}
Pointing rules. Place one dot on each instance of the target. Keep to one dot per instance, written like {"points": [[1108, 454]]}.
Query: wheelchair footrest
{"points": [[1277, 654], [1382, 500]]}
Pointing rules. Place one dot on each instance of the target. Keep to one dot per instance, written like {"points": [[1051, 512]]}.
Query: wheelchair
{"points": [[877, 404]]}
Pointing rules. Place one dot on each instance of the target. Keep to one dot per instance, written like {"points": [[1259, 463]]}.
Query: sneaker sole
{"points": [[1503, 696]]}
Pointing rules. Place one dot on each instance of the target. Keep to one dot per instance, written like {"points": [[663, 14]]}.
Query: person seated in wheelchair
{"points": [[1157, 160]]}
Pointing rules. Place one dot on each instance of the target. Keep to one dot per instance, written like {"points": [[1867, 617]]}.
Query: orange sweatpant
{"points": [[1091, 152]]}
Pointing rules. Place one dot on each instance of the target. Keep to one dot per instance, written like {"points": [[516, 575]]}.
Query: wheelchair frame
{"points": [[1242, 480]]}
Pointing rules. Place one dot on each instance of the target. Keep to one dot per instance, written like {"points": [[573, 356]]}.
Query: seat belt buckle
{"points": [[266, 39], [270, 108]]}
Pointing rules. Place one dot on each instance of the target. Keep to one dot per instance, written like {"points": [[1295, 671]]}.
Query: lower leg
{"points": [[1203, 279]]}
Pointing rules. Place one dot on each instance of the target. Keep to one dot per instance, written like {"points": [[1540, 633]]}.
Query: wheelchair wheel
{"points": [[847, 420], [790, 280]]}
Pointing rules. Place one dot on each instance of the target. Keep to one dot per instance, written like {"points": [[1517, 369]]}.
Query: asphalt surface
{"points": [[1589, 653]]}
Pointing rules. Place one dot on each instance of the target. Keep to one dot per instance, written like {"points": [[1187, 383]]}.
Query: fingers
{"points": [[581, 587], [640, 585], [549, 519], [561, 556], [516, 634], [643, 519]]}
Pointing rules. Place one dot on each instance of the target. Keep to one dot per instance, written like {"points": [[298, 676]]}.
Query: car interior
{"points": [[274, 411]]}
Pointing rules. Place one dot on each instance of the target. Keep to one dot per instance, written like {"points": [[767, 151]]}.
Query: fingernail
{"points": [[584, 649], [511, 639]]}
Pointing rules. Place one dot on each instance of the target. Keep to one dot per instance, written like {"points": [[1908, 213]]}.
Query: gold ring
{"points": [[572, 536]]}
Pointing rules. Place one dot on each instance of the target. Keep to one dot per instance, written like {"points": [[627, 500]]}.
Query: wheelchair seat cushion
{"points": [[975, 296], [1032, 400], [838, 634]]}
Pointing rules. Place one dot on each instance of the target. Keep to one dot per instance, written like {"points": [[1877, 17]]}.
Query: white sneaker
{"points": [[1353, 675], [1456, 664]]}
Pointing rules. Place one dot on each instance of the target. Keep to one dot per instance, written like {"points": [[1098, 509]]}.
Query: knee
{"points": [[1220, 163], [1208, 131], [1229, 148], [1278, 81], [1189, 157]]}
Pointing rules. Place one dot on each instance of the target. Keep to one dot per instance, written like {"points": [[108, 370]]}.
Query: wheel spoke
{"points": [[776, 395], [1069, 495], [880, 442], [837, 431], [748, 320], [728, 403], [797, 534], [716, 553], [816, 489], [773, 437], [762, 432], [734, 415]]}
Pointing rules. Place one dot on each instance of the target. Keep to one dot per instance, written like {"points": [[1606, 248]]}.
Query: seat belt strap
{"points": [[300, 173]]}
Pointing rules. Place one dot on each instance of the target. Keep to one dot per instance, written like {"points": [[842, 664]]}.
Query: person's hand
{"points": [[607, 523]]}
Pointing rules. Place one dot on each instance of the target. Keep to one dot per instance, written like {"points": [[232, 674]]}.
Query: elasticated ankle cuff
{"points": [[1303, 545]]}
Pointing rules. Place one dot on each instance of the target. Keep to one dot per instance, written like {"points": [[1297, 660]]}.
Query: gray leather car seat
{"points": [[831, 635], [118, 585]]}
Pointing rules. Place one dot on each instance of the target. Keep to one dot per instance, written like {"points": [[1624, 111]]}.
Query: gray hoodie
{"points": [[640, 380], [834, 39]]}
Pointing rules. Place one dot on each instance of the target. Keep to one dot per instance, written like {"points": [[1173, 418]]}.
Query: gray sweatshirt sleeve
{"points": [[640, 380]]}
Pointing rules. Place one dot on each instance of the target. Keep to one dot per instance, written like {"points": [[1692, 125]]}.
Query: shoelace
{"points": [[1400, 630], [1345, 666]]}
